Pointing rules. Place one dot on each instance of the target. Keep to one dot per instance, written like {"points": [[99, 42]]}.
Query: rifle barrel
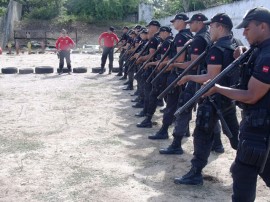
{"points": [[209, 85]]}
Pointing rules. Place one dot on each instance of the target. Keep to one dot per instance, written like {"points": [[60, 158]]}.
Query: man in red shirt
{"points": [[63, 44], [108, 38]]}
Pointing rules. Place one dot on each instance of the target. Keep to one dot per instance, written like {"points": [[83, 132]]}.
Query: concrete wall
{"points": [[13, 15], [235, 10], [146, 12]]}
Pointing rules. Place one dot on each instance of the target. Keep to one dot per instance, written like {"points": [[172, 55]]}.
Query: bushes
{"points": [[43, 13]]}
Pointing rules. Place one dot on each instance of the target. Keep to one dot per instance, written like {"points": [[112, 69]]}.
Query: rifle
{"points": [[128, 59], [140, 53], [243, 58], [172, 60], [126, 51], [148, 60], [221, 118], [191, 66], [120, 47], [160, 61]]}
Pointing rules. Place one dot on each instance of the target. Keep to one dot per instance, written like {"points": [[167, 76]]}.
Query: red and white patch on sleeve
{"points": [[180, 41], [196, 49], [265, 69], [165, 49], [213, 57]]}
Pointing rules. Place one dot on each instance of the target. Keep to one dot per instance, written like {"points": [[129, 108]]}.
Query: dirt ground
{"points": [[74, 138]]}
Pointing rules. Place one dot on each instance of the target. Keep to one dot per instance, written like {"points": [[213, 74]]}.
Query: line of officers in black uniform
{"points": [[156, 59]]}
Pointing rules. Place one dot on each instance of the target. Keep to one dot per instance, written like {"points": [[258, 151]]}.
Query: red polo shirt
{"points": [[108, 38], [64, 43]]}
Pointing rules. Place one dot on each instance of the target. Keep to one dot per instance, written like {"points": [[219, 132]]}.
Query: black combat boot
{"points": [[174, 148], [129, 87], [193, 177], [126, 83], [146, 123], [101, 70], [141, 114], [138, 105], [124, 77], [135, 93], [137, 99], [161, 134]]}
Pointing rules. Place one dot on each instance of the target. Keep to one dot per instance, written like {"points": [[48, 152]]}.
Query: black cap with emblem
{"points": [[154, 23], [165, 29], [197, 17], [221, 18], [260, 14], [180, 16]]}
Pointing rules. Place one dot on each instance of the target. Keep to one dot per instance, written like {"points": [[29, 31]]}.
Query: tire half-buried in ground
{"points": [[97, 69], [26, 71], [9, 70], [79, 70], [44, 70]]}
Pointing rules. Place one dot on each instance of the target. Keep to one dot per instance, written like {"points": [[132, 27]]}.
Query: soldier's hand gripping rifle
{"points": [[160, 61], [190, 67], [172, 60], [120, 47], [240, 60], [133, 52], [126, 51], [148, 60], [140, 54]]}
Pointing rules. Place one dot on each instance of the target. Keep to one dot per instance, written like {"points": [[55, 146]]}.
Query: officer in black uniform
{"points": [[252, 158], [200, 43], [124, 41], [219, 57], [135, 43], [171, 100], [165, 33], [132, 69], [153, 28]]}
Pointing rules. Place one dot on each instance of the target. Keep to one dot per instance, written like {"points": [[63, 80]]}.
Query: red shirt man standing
{"points": [[63, 44], [109, 38]]}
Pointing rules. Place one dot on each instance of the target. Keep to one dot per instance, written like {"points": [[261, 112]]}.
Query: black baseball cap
{"points": [[197, 17], [138, 27], [132, 32], [154, 23], [260, 14], [144, 31], [125, 27], [222, 18], [180, 16], [165, 29], [111, 28]]}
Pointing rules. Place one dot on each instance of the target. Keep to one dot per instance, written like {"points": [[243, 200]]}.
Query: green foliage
{"points": [[2, 11], [97, 10]]}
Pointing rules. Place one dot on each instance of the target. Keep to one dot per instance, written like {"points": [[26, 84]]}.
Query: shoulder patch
{"points": [[213, 57], [265, 69]]}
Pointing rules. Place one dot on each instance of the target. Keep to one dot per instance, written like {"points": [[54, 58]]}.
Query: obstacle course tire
{"points": [[9, 70]]}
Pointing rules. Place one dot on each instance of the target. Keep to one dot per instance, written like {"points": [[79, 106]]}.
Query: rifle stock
{"points": [[140, 53], [148, 60], [191, 66], [209, 85], [160, 61], [172, 60]]}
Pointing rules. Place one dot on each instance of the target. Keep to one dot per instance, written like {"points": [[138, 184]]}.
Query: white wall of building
{"points": [[146, 12], [235, 10]]}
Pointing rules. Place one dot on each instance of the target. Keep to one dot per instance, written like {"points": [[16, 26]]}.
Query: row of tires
{"points": [[48, 70]]}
